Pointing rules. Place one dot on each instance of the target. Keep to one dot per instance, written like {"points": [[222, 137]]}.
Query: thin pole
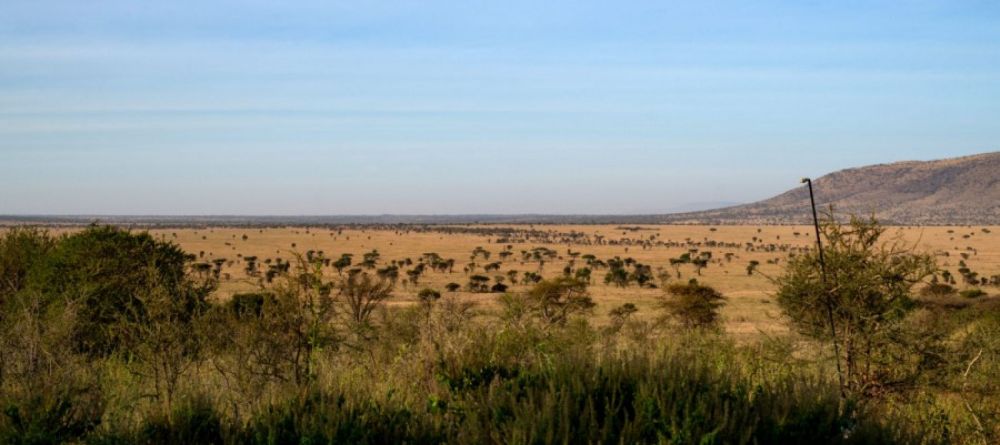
{"points": [[822, 272], [819, 242]]}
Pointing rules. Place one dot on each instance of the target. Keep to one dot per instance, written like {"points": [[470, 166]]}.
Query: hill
{"points": [[964, 190]]}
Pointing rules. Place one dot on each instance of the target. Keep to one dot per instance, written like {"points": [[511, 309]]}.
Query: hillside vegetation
{"points": [[963, 190]]}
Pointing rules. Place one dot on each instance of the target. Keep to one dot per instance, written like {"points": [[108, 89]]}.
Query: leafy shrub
{"points": [[557, 299], [20, 249], [694, 305], [858, 299], [105, 268]]}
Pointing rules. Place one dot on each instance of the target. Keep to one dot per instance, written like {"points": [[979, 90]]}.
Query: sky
{"points": [[559, 107]]}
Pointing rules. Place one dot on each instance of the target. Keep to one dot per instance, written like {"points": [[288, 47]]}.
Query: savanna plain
{"points": [[495, 333], [742, 259]]}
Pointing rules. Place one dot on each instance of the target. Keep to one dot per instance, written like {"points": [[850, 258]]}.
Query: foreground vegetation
{"points": [[109, 336]]}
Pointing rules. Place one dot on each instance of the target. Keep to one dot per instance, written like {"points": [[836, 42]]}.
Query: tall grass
{"points": [[512, 386]]}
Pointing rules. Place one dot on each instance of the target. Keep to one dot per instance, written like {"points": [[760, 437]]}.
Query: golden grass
{"points": [[749, 309]]}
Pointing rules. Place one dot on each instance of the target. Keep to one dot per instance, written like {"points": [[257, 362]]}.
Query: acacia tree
{"points": [[362, 294], [478, 283], [620, 315], [342, 263], [675, 263], [555, 300], [427, 297], [693, 305], [856, 299], [699, 264]]}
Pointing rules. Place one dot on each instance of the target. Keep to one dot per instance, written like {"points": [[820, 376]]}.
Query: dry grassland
{"points": [[750, 309]]}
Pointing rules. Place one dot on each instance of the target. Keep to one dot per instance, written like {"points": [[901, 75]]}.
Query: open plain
{"points": [[732, 248]]}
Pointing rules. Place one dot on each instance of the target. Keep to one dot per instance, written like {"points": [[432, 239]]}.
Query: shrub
{"points": [[250, 304], [937, 290], [554, 301], [60, 415], [858, 299], [20, 249], [694, 305], [361, 294], [972, 293], [620, 315], [428, 296], [103, 269]]}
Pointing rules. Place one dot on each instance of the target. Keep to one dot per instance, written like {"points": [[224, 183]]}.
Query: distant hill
{"points": [[963, 190]]}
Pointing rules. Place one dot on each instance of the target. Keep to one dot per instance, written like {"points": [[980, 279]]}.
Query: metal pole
{"points": [[822, 272], [819, 243]]}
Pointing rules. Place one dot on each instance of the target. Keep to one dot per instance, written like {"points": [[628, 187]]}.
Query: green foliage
{"points": [[617, 276], [20, 249], [862, 293], [478, 283], [342, 263], [309, 360], [51, 416], [102, 269], [554, 301], [625, 399], [693, 305]]}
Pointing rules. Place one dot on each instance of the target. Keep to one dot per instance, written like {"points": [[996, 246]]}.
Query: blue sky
{"points": [[184, 107]]}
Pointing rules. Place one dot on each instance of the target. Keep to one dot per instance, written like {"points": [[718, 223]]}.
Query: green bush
{"points": [[694, 305], [20, 249], [102, 269], [51, 417]]}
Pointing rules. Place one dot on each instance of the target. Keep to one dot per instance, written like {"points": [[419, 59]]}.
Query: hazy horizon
{"points": [[249, 108], [688, 207]]}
